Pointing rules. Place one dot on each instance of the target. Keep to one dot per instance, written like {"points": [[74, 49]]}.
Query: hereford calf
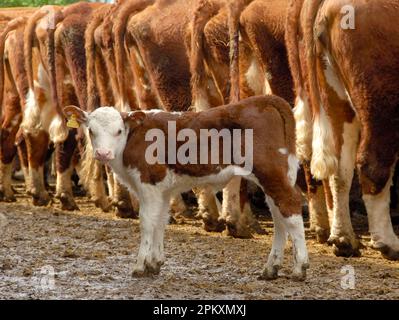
{"points": [[125, 140]]}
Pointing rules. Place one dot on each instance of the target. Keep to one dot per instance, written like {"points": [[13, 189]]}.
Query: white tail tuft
{"points": [[324, 160], [31, 123], [304, 129]]}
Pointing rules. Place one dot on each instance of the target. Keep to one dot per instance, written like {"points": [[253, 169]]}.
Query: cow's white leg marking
{"points": [[236, 220], [342, 234], [382, 234]]}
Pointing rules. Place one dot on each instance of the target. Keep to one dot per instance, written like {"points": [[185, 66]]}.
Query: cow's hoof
{"points": [[125, 211], [103, 204], [387, 251], [299, 274], [257, 228], [345, 247], [7, 196], [270, 273], [41, 199], [322, 235], [67, 202], [147, 270], [238, 231], [213, 225]]}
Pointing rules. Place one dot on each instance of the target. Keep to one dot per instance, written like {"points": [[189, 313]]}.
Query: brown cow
{"points": [[43, 118], [349, 105], [258, 65], [13, 90]]}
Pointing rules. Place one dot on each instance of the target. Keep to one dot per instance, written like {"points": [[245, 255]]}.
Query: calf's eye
{"points": [[119, 132]]}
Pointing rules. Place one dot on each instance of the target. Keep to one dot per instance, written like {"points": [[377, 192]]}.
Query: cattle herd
{"points": [[84, 80]]}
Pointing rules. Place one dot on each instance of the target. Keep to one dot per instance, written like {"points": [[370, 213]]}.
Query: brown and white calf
{"points": [[348, 104], [123, 140]]}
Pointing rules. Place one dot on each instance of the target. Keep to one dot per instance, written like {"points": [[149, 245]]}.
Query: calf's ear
{"points": [[134, 118], [75, 114]]}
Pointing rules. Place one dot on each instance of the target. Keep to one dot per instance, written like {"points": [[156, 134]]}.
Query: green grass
{"points": [[33, 3]]}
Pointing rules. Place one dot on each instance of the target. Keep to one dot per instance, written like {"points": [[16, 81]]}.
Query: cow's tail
{"points": [[234, 13], [31, 122], [324, 161], [58, 130], [203, 12], [302, 110], [12, 25], [93, 98], [119, 31]]}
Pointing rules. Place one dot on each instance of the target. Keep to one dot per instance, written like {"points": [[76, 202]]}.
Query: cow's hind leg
{"points": [[37, 146], [8, 133], [342, 235], [153, 219], [318, 213], [208, 209], [23, 158], [235, 219], [65, 152], [377, 158]]}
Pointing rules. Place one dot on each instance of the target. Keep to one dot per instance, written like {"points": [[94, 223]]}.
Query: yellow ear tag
{"points": [[72, 122]]}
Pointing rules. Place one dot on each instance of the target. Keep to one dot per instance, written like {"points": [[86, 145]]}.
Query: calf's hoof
{"points": [[238, 231], [345, 247], [67, 202], [299, 273], [147, 270], [270, 273]]}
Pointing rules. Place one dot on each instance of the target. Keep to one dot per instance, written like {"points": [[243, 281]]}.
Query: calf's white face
{"points": [[107, 130], [108, 133]]}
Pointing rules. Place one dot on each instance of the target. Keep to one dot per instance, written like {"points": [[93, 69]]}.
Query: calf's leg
{"points": [[37, 146], [153, 220], [284, 201]]}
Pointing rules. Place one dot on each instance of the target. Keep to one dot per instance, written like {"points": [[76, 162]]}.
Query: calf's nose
{"points": [[103, 155]]}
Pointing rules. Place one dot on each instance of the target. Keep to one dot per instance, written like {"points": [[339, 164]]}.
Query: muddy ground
{"points": [[46, 253]]}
